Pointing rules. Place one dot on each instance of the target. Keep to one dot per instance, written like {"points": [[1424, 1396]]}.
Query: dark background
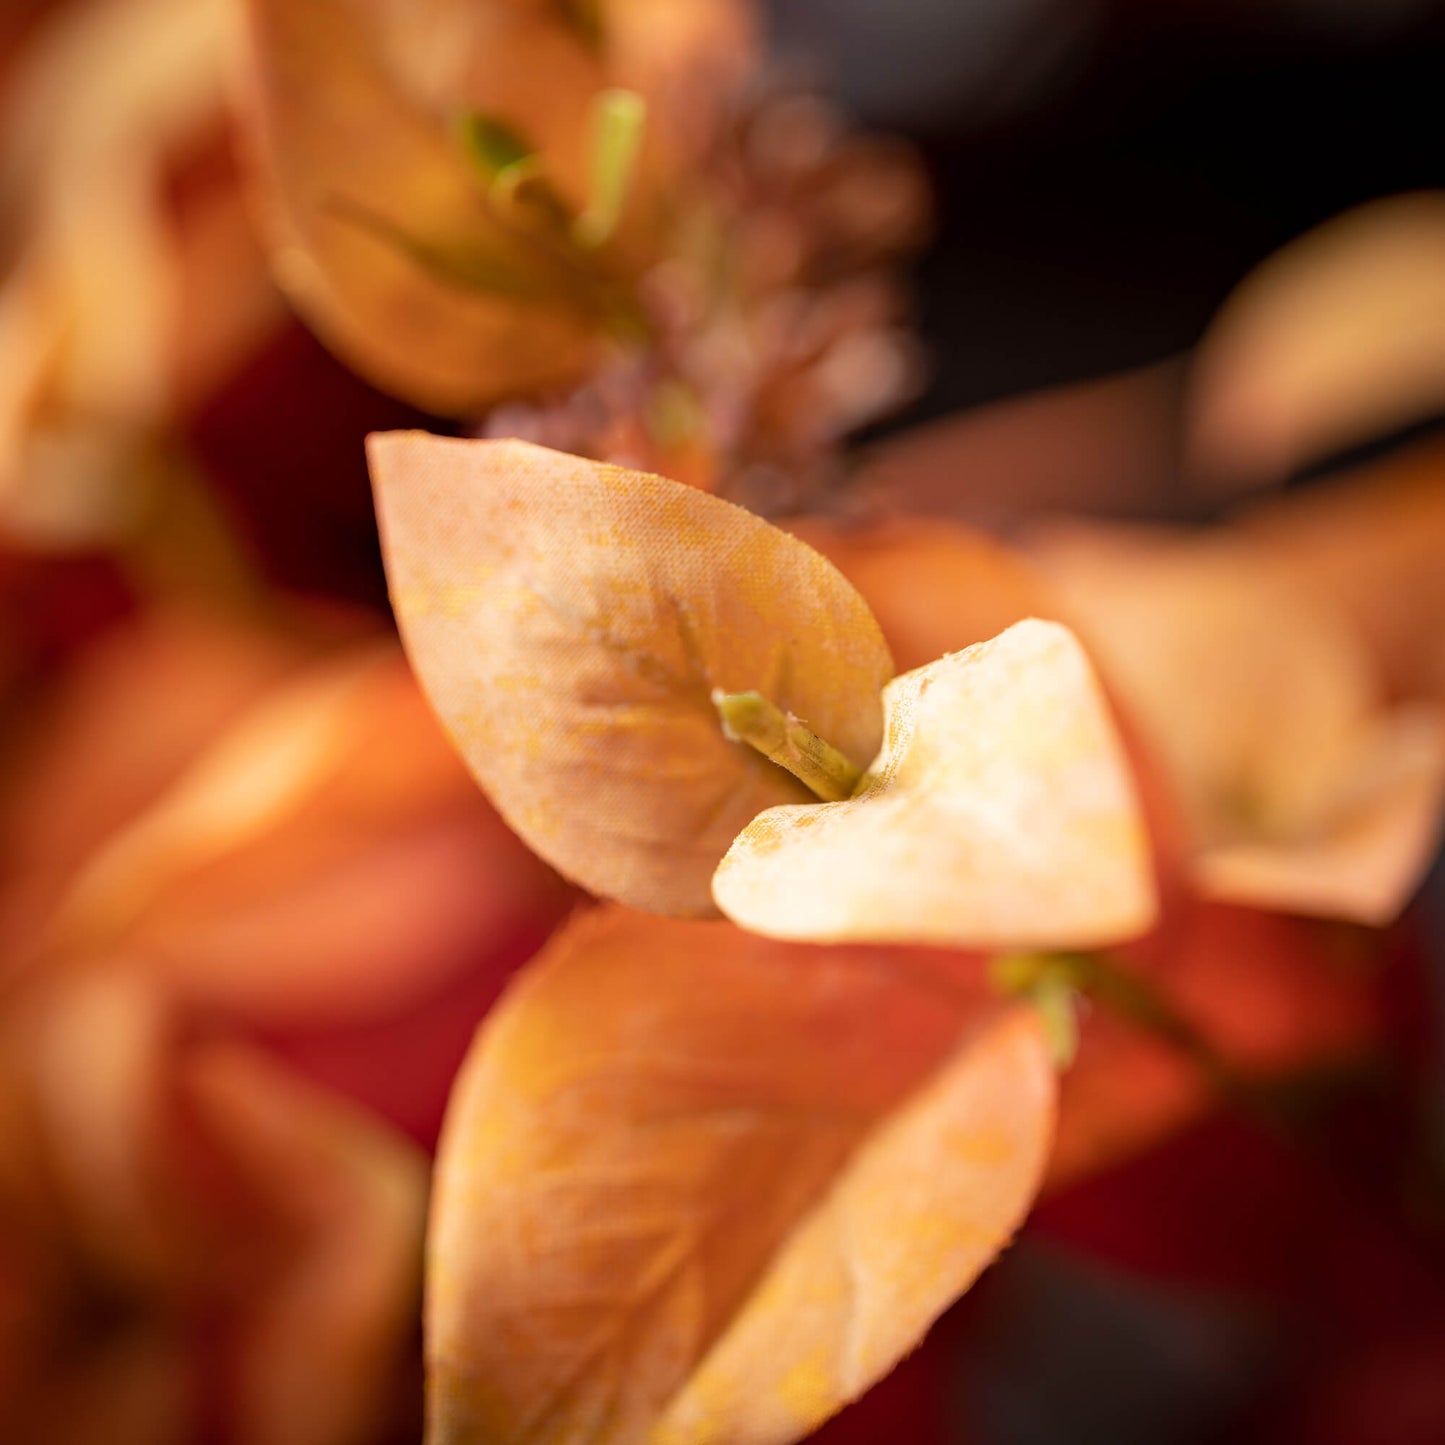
{"points": [[1106, 172]]}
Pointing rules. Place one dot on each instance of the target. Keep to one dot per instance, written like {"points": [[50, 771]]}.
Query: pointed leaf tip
{"points": [[570, 621]]}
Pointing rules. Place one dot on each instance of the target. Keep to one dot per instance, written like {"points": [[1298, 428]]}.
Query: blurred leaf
{"points": [[1336, 338], [696, 1186], [570, 622], [1370, 543], [341, 124], [316, 1354], [322, 858], [1107, 445], [934, 586], [192, 1180], [1300, 790], [119, 299], [1000, 813], [1268, 997]]}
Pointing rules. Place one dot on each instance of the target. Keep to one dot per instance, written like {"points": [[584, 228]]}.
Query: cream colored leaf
{"points": [[570, 622], [697, 1186], [1000, 813]]}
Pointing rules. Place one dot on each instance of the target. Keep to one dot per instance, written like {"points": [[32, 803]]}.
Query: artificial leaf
{"points": [[697, 1186], [1332, 340], [135, 710], [1370, 543], [320, 855], [1000, 813], [1299, 789], [382, 229], [100, 261], [194, 1180], [570, 622], [933, 585]]}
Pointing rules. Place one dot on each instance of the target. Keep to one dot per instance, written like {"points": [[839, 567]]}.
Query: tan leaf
{"points": [[1000, 813], [1338, 337], [1372, 850], [570, 621], [696, 1186], [1370, 543], [382, 230], [1299, 789]]}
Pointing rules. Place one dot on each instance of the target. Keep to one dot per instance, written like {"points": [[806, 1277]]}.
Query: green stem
{"points": [[1123, 994], [748, 717]]}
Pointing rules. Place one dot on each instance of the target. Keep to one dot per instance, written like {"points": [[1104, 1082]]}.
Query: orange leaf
{"points": [[326, 858], [570, 622], [1001, 812], [696, 1186], [381, 228], [101, 104], [933, 585], [134, 712], [1101, 444]]}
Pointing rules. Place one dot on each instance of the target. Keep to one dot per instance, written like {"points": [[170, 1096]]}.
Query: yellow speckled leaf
{"points": [[570, 621], [381, 229], [1001, 813], [696, 1186]]}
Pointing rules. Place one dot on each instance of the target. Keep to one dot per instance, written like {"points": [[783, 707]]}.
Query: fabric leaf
{"points": [[570, 622], [1001, 813], [380, 226], [698, 1186]]}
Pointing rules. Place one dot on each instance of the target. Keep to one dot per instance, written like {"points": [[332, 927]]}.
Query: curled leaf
{"points": [[1000, 813], [570, 622], [696, 1186]]}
